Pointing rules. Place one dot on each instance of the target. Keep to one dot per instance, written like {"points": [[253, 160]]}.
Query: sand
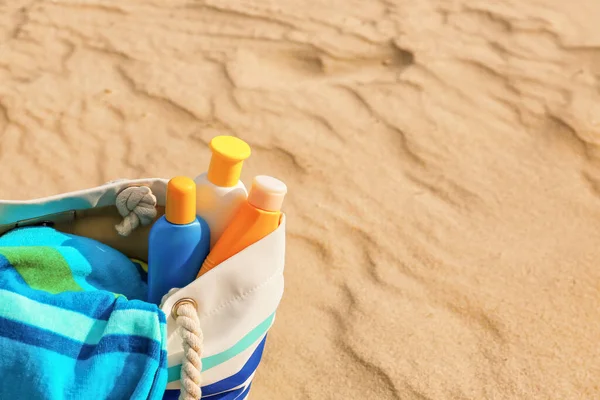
{"points": [[441, 156]]}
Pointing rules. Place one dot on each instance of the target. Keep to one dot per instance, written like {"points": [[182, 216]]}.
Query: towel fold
{"points": [[72, 321]]}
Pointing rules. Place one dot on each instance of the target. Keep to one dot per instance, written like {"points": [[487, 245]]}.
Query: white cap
{"points": [[267, 193]]}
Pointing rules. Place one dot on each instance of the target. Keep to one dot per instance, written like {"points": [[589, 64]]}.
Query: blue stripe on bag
{"points": [[222, 390], [240, 377], [51, 341], [237, 394], [245, 392]]}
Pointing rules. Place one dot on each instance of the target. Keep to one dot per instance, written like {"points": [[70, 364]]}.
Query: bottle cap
{"points": [[181, 201], [228, 155], [267, 193]]}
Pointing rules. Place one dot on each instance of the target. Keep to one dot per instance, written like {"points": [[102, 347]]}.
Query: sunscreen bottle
{"points": [[178, 242], [219, 192], [255, 219]]}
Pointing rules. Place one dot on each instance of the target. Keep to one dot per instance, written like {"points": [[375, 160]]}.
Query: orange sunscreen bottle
{"points": [[256, 217]]}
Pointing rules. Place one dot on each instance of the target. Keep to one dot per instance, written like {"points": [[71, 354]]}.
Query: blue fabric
{"points": [[240, 377], [96, 339], [229, 388], [100, 266]]}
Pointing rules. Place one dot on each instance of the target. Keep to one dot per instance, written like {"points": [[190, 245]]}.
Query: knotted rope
{"points": [[191, 334], [186, 317], [137, 206]]}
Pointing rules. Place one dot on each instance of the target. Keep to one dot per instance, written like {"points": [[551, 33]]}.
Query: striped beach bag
{"points": [[228, 311]]}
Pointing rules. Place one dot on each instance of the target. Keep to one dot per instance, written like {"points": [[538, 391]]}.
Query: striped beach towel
{"points": [[72, 323]]}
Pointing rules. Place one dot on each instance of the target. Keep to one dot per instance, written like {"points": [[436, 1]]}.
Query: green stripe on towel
{"points": [[27, 260]]}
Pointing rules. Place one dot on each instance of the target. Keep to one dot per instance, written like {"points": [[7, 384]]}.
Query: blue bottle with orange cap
{"points": [[178, 243]]}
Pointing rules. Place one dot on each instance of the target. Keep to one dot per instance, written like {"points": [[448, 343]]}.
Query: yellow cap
{"points": [[181, 201], [228, 155]]}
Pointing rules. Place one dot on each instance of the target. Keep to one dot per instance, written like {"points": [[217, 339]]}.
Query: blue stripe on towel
{"points": [[51, 341]]}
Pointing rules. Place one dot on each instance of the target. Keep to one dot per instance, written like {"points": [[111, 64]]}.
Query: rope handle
{"points": [[184, 312]]}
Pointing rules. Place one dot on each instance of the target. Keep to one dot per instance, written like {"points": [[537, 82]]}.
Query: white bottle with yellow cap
{"points": [[220, 191]]}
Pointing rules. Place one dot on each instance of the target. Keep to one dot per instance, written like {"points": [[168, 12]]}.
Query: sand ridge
{"points": [[442, 160]]}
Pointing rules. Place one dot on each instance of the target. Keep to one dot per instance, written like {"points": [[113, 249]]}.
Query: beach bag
{"points": [[230, 308]]}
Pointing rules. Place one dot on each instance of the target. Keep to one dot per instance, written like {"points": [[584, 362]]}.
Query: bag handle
{"points": [[184, 312]]}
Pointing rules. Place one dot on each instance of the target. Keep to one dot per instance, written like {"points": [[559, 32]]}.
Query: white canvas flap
{"points": [[233, 298]]}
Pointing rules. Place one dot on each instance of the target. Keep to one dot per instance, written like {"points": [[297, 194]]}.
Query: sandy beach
{"points": [[442, 159]]}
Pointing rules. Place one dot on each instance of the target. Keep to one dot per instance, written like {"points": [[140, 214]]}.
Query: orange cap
{"points": [[267, 193], [228, 155], [181, 201]]}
